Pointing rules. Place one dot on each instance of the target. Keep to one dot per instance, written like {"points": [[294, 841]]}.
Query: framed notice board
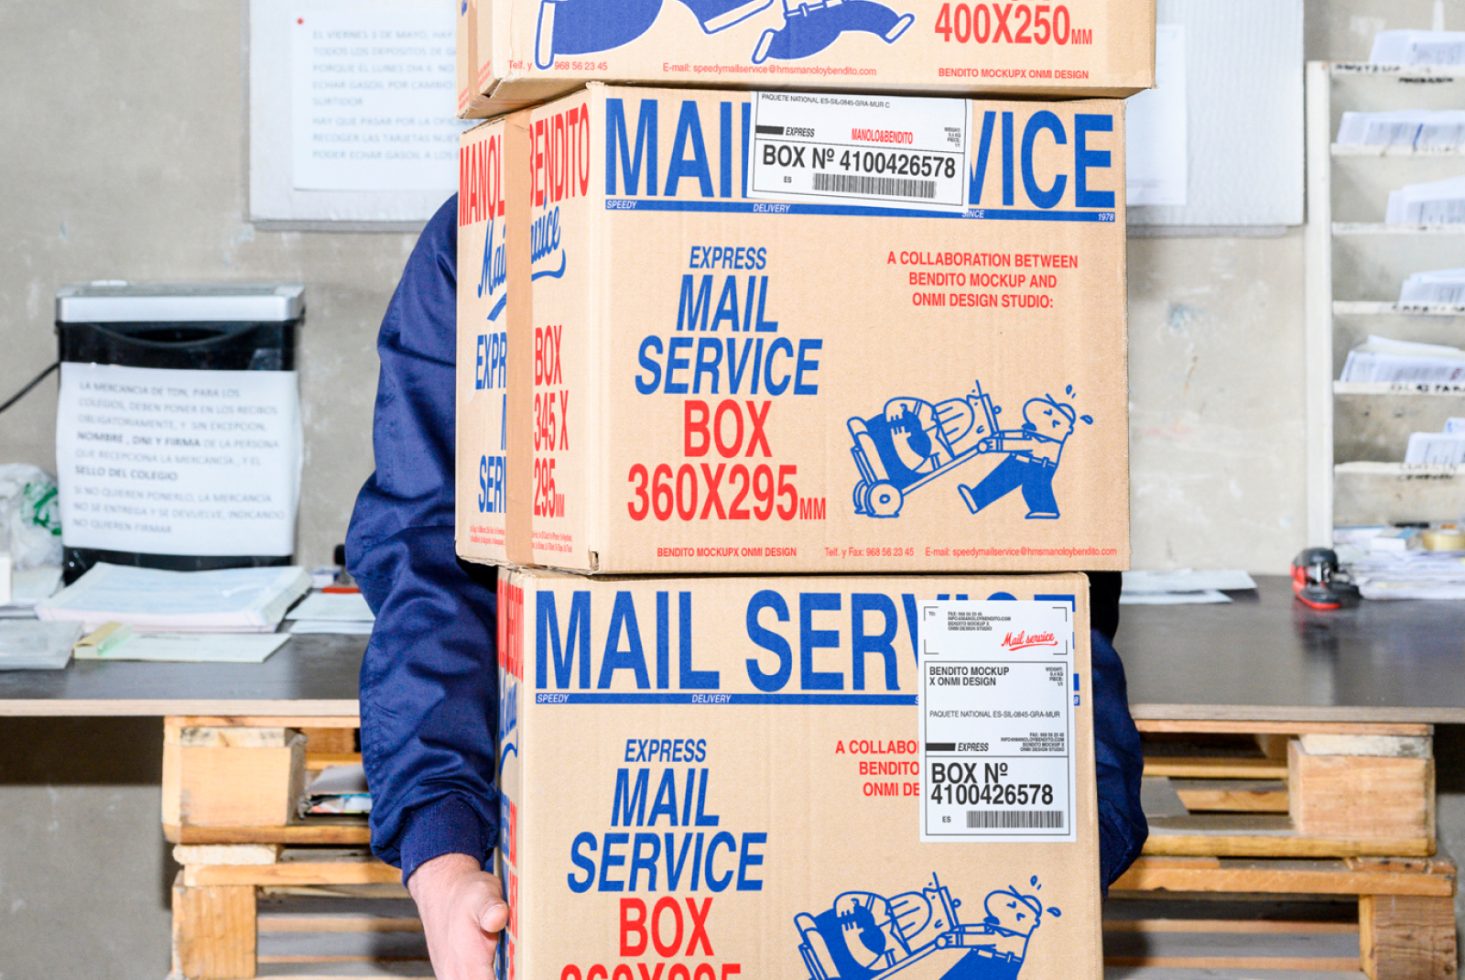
{"points": [[351, 112]]}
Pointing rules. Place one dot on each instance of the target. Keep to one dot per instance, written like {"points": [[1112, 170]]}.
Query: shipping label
{"points": [[996, 720], [860, 150]]}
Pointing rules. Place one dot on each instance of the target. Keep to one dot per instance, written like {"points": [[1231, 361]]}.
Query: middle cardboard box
{"points": [[706, 331]]}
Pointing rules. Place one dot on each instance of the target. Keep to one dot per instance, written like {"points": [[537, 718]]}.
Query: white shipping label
{"points": [[862, 150], [171, 462], [996, 721]]}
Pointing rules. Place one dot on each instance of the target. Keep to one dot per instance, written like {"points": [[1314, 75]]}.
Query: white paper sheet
{"points": [[1156, 128], [329, 627], [1436, 286], [165, 462], [1188, 580], [1418, 48], [372, 96], [227, 601], [198, 648], [29, 645], [333, 607], [1208, 597], [1435, 449]]}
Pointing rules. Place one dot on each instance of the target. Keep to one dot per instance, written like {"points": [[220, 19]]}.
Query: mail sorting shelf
{"points": [[1356, 263]]}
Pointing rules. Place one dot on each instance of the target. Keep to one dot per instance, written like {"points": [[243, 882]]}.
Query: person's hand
{"points": [[462, 909]]}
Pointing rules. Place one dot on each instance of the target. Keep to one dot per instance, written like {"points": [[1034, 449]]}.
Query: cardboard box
{"points": [[482, 336], [473, 71], [528, 51], [745, 777], [773, 331]]}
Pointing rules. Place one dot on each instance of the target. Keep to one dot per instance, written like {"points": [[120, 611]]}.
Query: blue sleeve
{"points": [[429, 683], [1119, 763]]}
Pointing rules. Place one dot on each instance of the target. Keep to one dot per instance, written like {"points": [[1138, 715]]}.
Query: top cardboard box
{"points": [[515, 53], [705, 331]]}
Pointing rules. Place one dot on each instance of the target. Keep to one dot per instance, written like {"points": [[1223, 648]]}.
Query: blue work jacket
{"points": [[429, 682]]}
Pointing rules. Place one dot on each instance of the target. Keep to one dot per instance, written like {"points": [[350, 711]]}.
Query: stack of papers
{"points": [[1419, 129], [1439, 48], [1183, 587], [234, 600], [1445, 448], [1412, 574], [1440, 287], [1436, 202], [1381, 359], [116, 642], [29, 645], [339, 789], [29, 587], [331, 612]]}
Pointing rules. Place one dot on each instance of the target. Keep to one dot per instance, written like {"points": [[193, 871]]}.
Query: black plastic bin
{"points": [[194, 326]]}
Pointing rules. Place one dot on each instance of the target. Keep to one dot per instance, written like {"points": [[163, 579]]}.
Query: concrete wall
{"points": [[123, 155]]}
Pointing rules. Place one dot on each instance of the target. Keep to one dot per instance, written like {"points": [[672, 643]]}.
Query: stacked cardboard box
{"points": [[705, 332], [515, 53]]}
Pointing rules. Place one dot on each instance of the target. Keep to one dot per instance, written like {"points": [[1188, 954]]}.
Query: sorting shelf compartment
{"points": [[1358, 432]]}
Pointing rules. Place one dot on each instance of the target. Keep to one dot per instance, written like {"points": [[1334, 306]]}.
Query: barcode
{"points": [[1014, 819], [875, 186]]}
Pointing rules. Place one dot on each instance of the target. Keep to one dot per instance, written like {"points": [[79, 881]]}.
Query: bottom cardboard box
{"points": [[761, 777]]}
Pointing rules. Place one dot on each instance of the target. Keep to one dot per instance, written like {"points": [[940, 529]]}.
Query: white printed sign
{"points": [[863, 150], [996, 721], [1157, 129], [372, 91], [179, 462]]}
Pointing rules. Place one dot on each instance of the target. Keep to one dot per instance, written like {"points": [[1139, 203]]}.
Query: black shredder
{"points": [[193, 326]]}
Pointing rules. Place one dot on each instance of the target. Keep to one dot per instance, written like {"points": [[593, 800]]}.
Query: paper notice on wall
{"points": [[1156, 129], [372, 99], [179, 462]]}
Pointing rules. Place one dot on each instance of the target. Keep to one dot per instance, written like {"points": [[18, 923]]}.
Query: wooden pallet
{"points": [[1297, 790], [1292, 813], [239, 780], [1401, 915]]}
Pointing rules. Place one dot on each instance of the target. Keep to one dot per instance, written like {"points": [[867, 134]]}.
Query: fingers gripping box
{"points": [[708, 778], [526, 51], [774, 331]]}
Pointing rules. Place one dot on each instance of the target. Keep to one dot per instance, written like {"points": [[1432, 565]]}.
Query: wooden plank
{"points": [[1181, 844], [1246, 926], [335, 971], [1407, 938], [1266, 835], [1215, 767], [213, 931], [1388, 746], [328, 740], [1172, 973], [1362, 797], [1357, 876], [338, 831], [1231, 963], [1258, 726], [304, 922], [317, 761], [238, 775], [361, 872], [187, 854], [1232, 795], [268, 719], [341, 945]]}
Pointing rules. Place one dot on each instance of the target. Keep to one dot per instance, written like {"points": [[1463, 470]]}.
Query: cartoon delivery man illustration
{"points": [[1034, 452]]}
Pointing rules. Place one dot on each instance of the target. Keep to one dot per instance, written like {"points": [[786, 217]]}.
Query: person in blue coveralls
{"points": [[429, 683]]}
